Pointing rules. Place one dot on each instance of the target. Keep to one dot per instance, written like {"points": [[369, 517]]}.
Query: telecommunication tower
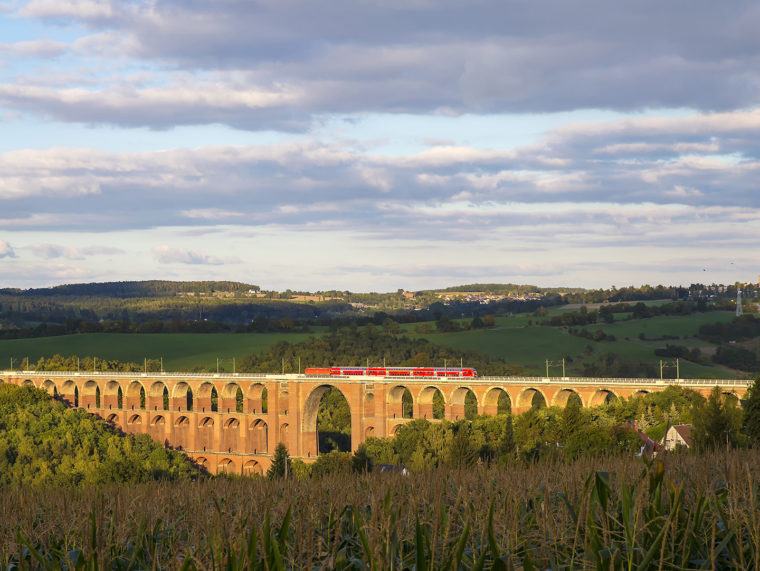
{"points": [[738, 303]]}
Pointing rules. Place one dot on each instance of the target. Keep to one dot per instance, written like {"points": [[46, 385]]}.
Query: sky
{"points": [[372, 145]]}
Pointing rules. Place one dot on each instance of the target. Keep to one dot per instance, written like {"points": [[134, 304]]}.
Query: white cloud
{"points": [[211, 213], [167, 255], [35, 48], [6, 251], [52, 251]]}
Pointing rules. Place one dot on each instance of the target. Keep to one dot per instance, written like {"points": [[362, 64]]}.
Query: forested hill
{"points": [[43, 442], [151, 288], [373, 346]]}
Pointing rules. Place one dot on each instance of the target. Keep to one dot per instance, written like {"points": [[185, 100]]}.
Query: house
{"points": [[678, 435]]}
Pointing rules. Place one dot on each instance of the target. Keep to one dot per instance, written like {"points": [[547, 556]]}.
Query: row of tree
{"points": [[625, 426]]}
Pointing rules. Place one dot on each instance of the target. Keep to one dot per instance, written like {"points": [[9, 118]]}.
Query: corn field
{"points": [[682, 511]]}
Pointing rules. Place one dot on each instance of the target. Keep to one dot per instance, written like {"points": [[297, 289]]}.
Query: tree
{"points": [[751, 420], [717, 422], [462, 454], [280, 467], [361, 461]]}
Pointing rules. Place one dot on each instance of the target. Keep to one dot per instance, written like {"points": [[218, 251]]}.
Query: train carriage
{"points": [[392, 371]]}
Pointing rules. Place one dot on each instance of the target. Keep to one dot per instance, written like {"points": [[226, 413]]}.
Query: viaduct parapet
{"points": [[233, 422]]}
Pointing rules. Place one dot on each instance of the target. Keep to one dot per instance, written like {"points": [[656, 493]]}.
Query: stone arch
{"points": [[258, 399], [252, 468], [135, 396], [369, 405], [231, 435], [206, 396], [464, 403], [258, 437], [526, 396], [112, 418], [90, 395], [640, 393], [400, 402], [426, 400], [225, 466], [28, 383], [600, 397], [157, 428], [232, 398], [369, 432], [731, 397], [182, 397], [182, 433], [309, 418], [284, 429], [69, 392], [206, 433], [284, 401], [202, 463], [135, 420], [111, 391], [496, 401], [158, 396], [562, 397], [395, 429], [49, 386]]}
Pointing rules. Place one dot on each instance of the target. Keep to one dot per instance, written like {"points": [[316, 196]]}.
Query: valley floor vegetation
{"points": [[679, 511], [550, 488]]}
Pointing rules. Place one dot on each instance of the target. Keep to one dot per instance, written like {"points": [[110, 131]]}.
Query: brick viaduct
{"points": [[233, 422]]}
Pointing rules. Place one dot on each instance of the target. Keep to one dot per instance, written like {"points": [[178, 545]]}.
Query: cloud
{"points": [[6, 251], [37, 48], [701, 162], [280, 65], [52, 251], [166, 255], [210, 213]]}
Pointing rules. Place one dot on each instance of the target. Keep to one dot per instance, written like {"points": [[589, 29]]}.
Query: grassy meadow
{"points": [[516, 339], [681, 511], [179, 350]]}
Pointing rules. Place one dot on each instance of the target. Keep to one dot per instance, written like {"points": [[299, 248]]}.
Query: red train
{"points": [[393, 371]]}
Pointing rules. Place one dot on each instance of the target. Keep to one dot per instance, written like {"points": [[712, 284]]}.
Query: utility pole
{"points": [[233, 365], [547, 368], [563, 367]]}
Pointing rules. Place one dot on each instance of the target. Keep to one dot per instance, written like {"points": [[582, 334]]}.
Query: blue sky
{"points": [[375, 145]]}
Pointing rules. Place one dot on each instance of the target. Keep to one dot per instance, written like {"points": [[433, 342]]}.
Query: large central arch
{"points": [[309, 419]]}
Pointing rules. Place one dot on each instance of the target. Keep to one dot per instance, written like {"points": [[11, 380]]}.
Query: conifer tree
{"points": [[751, 420], [280, 467], [716, 423]]}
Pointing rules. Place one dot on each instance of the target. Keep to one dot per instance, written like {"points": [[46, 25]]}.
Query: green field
{"points": [[178, 350], [512, 339], [530, 347], [658, 327]]}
